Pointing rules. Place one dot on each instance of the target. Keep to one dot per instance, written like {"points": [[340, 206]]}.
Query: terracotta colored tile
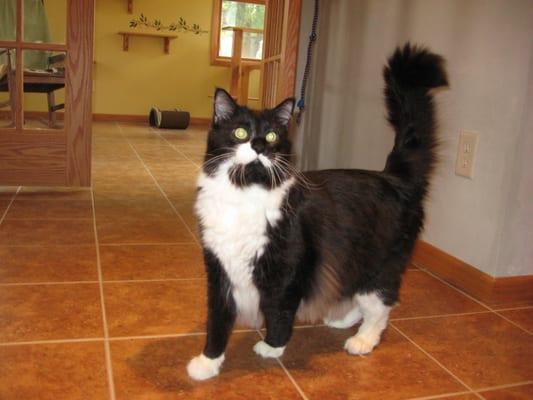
{"points": [[73, 371], [47, 264], [155, 369], [186, 211], [118, 191], [482, 349], [183, 194], [50, 209], [39, 312], [423, 295], [154, 208], [159, 152], [146, 308], [7, 192], [143, 231], [152, 262], [54, 193], [3, 206], [523, 317], [466, 396], [396, 369], [34, 232], [524, 392]]}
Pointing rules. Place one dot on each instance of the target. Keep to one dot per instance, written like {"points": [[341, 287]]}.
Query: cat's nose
{"points": [[259, 145]]}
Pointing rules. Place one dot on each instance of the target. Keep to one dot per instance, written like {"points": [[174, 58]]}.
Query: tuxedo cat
{"points": [[322, 245]]}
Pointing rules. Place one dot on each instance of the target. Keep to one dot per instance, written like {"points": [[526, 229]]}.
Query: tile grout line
{"points": [[107, 347], [113, 338], [512, 322], [432, 358], [9, 204], [455, 288], [514, 308], [175, 148], [289, 375], [51, 341], [441, 315], [159, 186], [103, 244], [441, 396], [477, 301], [505, 386], [104, 281], [48, 283]]}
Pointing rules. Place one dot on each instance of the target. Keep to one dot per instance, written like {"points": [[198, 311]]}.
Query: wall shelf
{"points": [[167, 37]]}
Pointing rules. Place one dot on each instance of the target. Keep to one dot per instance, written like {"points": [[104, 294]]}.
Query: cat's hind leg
{"points": [[375, 317], [352, 317]]}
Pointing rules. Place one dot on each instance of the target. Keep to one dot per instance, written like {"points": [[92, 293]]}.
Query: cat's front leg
{"points": [[220, 319], [279, 319]]}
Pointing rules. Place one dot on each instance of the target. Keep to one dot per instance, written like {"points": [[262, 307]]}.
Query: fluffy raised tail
{"points": [[409, 75]]}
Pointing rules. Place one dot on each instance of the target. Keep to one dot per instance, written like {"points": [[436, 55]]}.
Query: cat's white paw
{"points": [[202, 367], [359, 345], [267, 351]]}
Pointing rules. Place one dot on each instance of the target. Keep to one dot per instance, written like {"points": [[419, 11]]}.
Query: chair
{"points": [[35, 81]]}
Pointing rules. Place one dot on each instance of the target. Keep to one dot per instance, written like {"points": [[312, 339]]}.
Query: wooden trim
{"points": [[215, 30], [247, 30], [119, 118], [135, 118], [35, 158], [215, 34], [482, 286], [78, 91], [33, 46], [290, 59]]}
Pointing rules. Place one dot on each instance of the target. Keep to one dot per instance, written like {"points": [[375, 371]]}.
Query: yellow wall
{"points": [[131, 82]]}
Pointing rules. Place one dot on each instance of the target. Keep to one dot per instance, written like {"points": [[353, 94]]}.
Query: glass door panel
{"points": [[44, 89], [45, 21]]}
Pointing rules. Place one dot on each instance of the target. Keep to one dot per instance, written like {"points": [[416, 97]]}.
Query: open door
{"points": [[40, 77], [278, 67]]}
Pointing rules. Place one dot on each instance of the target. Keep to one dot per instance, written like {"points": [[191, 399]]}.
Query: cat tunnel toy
{"points": [[169, 119]]}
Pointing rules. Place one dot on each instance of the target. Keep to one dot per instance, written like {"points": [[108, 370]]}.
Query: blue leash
{"points": [[307, 70]]}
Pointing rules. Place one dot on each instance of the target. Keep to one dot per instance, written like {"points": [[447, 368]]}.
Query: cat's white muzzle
{"points": [[245, 155]]}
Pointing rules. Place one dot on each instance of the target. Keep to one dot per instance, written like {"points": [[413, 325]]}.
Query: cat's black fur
{"points": [[343, 232]]}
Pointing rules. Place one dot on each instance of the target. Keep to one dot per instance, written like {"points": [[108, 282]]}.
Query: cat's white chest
{"points": [[235, 222]]}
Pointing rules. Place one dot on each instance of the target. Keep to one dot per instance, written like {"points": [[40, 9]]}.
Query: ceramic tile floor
{"points": [[102, 296]]}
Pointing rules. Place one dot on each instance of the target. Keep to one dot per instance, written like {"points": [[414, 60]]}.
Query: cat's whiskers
{"points": [[215, 159], [290, 170]]}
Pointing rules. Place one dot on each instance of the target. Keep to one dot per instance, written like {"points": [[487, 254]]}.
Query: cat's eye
{"points": [[271, 137], [240, 133]]}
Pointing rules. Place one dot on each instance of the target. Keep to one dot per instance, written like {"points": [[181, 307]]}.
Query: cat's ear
{"points": [[283, 111], [225, 106]]}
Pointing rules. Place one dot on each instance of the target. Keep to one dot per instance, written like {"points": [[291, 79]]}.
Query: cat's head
{"points": [[253, 147]]}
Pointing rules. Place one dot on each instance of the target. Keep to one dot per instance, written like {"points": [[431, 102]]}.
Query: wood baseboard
{"points": [[516, 290], [120, 118], [134, 118], [195, 121]]}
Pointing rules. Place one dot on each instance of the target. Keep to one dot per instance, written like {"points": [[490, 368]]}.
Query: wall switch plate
{"points": [[466, 154]]}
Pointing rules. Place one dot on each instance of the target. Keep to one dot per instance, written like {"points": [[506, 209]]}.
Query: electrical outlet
{"points": [[466, 154]]}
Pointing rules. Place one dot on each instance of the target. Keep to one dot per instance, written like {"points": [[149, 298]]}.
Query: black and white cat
{"points": [[323, 245]]}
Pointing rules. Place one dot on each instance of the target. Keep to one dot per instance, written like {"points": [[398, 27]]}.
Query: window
{"points": [[246, 14]]}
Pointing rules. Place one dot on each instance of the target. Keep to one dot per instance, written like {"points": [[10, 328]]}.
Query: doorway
{"points": [[45, 93]]}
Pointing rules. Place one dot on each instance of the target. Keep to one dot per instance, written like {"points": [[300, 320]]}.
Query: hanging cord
{"points": [[307, 70]]}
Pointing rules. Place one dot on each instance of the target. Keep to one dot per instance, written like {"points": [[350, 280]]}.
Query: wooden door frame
{"points": [[290, 48], [288, 56], [51, 156]]}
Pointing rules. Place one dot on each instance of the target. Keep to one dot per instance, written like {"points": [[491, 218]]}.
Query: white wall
{"points": [[486, 221]]}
